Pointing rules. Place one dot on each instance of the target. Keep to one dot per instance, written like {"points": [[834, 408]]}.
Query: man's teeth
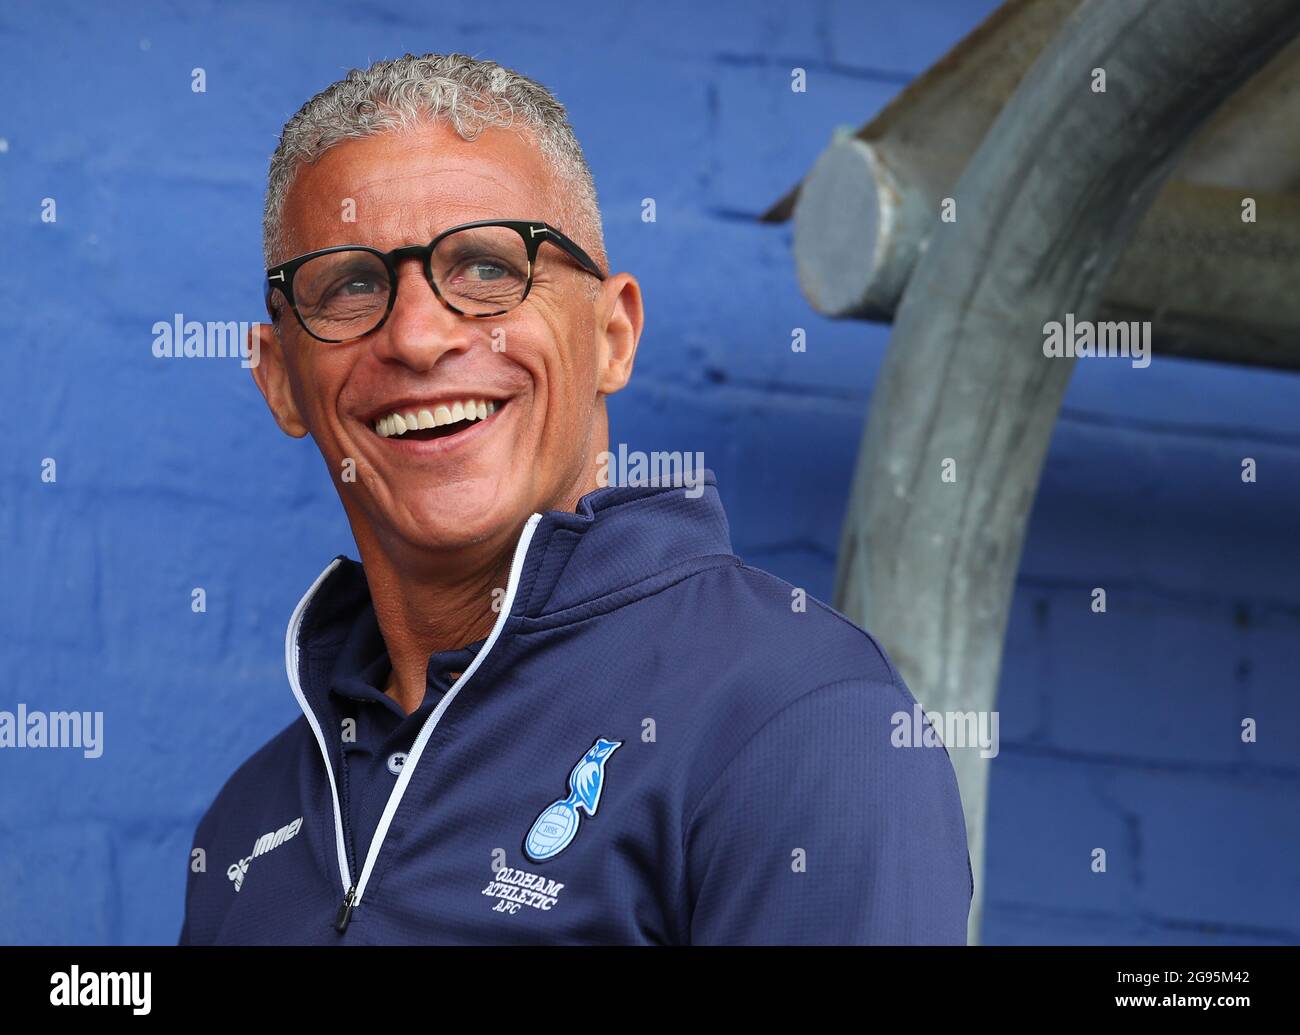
{"points": [[398, 423]]}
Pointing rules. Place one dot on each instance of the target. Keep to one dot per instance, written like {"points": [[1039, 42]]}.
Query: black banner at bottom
{"points": [[255, 984]]}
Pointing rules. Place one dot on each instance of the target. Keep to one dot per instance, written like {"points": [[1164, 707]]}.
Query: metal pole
{"points": [[1045, 208]]}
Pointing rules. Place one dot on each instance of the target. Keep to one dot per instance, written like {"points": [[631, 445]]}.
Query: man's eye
{"points": [[486, 270], [358, 286], [352, 289]]}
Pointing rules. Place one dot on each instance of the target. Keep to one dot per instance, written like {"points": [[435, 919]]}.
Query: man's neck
{"points": [[438, 609], [429, 604]]}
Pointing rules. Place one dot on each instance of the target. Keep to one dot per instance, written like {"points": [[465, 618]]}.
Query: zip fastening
{"points": [[352, 893], [291, 665], [345, 911]]}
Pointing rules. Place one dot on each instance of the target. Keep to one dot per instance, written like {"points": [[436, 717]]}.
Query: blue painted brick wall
{"points": [[1119, 730]]}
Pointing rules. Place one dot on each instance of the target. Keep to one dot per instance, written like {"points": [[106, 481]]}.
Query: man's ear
{"points": [[619, 319], [271, 372]]}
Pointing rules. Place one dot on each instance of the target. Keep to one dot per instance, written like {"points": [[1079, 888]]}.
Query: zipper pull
{"points": [[345, 910]]}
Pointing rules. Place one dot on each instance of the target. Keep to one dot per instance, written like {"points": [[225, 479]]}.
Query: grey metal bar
{"points": [[1051, 199]]}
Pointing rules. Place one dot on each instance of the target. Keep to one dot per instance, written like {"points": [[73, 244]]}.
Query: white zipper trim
{"points": [[417, 749], [291, 665], [426, 731]]}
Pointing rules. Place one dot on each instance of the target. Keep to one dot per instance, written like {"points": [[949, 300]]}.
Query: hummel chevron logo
{"points": [[239, 870]]}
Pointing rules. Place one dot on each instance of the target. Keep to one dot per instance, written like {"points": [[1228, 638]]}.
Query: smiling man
{"points": [[540, 709]]}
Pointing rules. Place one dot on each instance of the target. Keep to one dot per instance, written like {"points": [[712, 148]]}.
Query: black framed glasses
{"points": [[476, 269]]}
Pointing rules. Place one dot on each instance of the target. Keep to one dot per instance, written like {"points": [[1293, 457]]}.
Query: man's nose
{"points": [[421, 329]]}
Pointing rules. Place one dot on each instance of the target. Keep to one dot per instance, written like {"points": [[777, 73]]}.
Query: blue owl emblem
{"points": [[557, 824]]}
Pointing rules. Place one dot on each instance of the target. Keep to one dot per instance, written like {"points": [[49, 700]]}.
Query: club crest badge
{"points": [[557, 824]]}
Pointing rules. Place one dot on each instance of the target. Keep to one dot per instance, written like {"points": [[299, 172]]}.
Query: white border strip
{"points": [[291, 666], [426, 731]]}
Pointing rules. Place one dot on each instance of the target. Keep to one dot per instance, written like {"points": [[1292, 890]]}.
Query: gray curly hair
{"points": [[468, 94]]}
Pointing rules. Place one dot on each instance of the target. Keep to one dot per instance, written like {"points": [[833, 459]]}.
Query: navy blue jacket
{"points": [[656, 744]]}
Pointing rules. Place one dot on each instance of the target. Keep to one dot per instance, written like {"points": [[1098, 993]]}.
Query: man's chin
{"points": [[441, 530]]}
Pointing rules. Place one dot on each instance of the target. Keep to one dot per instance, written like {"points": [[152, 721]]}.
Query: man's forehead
{"points": [[400, 187]]}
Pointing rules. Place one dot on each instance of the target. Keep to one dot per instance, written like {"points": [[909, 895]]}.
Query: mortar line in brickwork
{"points": [[1217, 434], [1246, 771], [1013, 910], [1261, 607], [852, 402], [742, 59]]}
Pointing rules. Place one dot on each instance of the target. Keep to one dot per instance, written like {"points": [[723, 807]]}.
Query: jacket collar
{"points": [[615, 539]]}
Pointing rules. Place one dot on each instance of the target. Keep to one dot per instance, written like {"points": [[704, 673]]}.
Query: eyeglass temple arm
{"points": [[275, 277], [571, 246]]}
